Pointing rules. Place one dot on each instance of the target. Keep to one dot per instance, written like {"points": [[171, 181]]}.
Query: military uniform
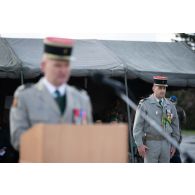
{"points": [[164, 115], [34, 104]]}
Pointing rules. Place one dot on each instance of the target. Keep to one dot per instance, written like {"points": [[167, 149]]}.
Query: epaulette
{"points": [[28, 85], [22, 88], [84, 94], [25, 86], [79, 91], [17, 92], [168, 100], [142, 100]]}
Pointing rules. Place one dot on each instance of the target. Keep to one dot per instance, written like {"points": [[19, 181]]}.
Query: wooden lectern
{"points": [[75, 144]]}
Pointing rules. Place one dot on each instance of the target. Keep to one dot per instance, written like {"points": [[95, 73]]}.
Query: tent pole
{"points": [[85, 82], [129, 121], [22, 77]]}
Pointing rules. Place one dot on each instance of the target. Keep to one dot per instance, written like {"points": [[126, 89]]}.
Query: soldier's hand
{"points": [[142, 150], [172, 151]]}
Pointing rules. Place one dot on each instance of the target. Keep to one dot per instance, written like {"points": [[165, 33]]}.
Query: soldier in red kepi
{"points": [[51, 100], [153, 147]]}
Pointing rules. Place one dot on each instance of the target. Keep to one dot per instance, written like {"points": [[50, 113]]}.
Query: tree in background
{"points": [[188, 38], [186, 97]]}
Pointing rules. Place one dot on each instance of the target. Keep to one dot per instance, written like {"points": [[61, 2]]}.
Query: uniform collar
{"points": [[157, 99], [51, 88]]}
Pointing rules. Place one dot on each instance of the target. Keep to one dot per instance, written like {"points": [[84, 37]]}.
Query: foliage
{"points": [[189, 39]]}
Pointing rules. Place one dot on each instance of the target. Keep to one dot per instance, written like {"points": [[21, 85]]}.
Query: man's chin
{"points": [[161, 96], [58, 83]]}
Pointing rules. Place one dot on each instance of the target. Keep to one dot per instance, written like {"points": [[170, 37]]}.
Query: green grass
{"points": [[188, 132]]}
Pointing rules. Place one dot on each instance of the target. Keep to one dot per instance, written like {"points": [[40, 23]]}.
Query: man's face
{"points": [[159, 91], [56, 71]]}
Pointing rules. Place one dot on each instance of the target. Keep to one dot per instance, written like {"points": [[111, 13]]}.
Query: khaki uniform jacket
{"points": [[35, 104], [153, 109]]}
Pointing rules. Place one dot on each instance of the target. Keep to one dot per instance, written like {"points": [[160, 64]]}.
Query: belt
{"points": [[154, 137]]}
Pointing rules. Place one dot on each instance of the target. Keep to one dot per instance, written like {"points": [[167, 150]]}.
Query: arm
{"points": [[87, 107], [138, 127], [18, 119], [175, 125], [89, 112]]}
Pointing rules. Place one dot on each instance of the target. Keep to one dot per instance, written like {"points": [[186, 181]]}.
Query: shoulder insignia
{"points": [[141, 101], [18, 90]]}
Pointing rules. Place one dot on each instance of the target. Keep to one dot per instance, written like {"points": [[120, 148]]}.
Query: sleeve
{"points": [[138, 127], [89, 110], [175, 125], [85, 101], [19, 121]]}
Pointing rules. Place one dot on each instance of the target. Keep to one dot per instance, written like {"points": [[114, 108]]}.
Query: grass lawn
{"points": [[188, 132]]}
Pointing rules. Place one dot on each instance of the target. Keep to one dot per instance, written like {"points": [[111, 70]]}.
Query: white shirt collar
{"points": [[51, 88]]}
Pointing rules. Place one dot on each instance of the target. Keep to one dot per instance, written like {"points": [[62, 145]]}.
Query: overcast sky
{"points": [[110, 36]]}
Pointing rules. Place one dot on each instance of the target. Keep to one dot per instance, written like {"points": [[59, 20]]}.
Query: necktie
{"points": [[57, 94], [60, 100], [160, 102]]}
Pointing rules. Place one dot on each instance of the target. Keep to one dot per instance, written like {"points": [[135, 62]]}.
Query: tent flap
{"points": [[113, 58]]}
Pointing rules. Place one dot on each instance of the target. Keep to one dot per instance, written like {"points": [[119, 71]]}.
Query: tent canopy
{"points": [[114, 58]]}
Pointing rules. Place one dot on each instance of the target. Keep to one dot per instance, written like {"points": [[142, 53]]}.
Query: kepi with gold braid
{"points": [[160, 81], [58, 48]]}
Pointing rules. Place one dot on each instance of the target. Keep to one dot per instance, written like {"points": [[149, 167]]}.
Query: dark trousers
{"points": [[9, 155], [176, 158]]}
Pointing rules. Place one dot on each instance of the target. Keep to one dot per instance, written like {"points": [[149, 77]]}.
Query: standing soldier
{"points": [[51, 100], [151, 145]]}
